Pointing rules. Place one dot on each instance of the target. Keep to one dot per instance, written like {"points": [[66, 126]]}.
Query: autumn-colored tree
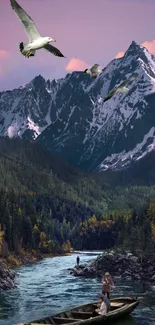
{"points": [[35, 228], [151, 211], [67, 246], [1, 240]]}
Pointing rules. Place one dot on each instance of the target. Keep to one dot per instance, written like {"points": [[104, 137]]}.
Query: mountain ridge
{"points": [[26, 167], [68, 116]]}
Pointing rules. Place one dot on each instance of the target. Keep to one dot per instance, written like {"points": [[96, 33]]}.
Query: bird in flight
{"points": [[121, 88], [94, 71], [36, 41]]}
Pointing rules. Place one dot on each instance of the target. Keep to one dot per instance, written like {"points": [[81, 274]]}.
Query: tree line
{"points": [[48, 224]]}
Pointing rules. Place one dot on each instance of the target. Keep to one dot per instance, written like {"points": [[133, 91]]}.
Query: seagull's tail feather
{"points": [[26, 53]]}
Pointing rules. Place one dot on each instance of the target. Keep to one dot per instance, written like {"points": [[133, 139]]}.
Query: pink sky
{"points": [[87, 32]]}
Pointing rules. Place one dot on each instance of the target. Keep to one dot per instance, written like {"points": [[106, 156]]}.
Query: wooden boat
{"points": [[81, 315]]}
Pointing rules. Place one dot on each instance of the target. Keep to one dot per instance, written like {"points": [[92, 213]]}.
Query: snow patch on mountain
{"points": [[32, 126], [12, 130], [123, 158]]}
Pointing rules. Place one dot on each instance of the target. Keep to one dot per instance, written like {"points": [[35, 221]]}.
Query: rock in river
{"points": [[126, 266], [83, 270], [7, 277]]}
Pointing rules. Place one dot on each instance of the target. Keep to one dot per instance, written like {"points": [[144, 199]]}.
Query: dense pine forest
{"points": [[49, 207]]}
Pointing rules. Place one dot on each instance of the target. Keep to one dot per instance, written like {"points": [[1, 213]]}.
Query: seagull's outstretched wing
{"points": [[115, 91], [53, 50], [132, 78], [112, 92], [26, 20], [121, 89], [124, 83]]}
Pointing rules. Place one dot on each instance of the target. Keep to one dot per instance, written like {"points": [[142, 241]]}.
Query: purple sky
{"points": [[93, 31]]}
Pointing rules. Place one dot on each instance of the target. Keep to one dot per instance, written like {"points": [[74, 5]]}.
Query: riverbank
{"points": [[7, 277], [27, 257], [125, 266], [13, 260], [7, 274], [8, 265]]}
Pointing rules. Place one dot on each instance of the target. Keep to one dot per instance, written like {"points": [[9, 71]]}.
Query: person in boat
{"points": [[107, 284], [103, 306], [78, 260]]}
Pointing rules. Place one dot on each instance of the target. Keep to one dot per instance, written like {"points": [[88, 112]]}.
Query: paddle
{"points": [[143, 303]]}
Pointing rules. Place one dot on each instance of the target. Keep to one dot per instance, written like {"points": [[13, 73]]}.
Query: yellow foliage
{"points": [[153, 230], [13, 261], [67, 246], [43, 244], [1, 241], [93, 219], [19, 211], [1, 235], [93, 225], [35, 228], [151, 210], [42, 236]]}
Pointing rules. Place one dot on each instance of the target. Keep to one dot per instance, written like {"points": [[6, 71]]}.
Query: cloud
{"points": [[150, 45], [119, 55], [4, 55], [76, 65]]}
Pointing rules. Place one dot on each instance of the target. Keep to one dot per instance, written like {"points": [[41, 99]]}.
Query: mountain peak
{"points": [[38, 81], [133, 48], [136, 51], [134, 44]]}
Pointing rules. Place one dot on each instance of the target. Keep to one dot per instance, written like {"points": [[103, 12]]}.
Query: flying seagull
{"points": [[115, 91], [121, 88], [36, 41], [94, 71]]}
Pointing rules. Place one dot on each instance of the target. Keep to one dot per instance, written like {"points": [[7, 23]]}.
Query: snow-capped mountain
{"points": [[69, 118]]}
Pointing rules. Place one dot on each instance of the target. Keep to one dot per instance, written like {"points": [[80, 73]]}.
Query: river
{"points": [[46, 287]]}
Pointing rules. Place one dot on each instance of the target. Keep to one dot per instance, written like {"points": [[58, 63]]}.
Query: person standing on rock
{"points": [[107, 284], [78, 260]]}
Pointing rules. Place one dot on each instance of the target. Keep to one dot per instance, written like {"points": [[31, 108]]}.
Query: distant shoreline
{"points": [[87, 251], [14, 261]]}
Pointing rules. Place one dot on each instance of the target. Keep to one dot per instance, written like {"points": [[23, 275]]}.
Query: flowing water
{"points": [[46, 287]]}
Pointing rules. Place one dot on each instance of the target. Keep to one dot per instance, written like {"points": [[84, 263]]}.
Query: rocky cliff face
{"points": [[7, 277]]}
